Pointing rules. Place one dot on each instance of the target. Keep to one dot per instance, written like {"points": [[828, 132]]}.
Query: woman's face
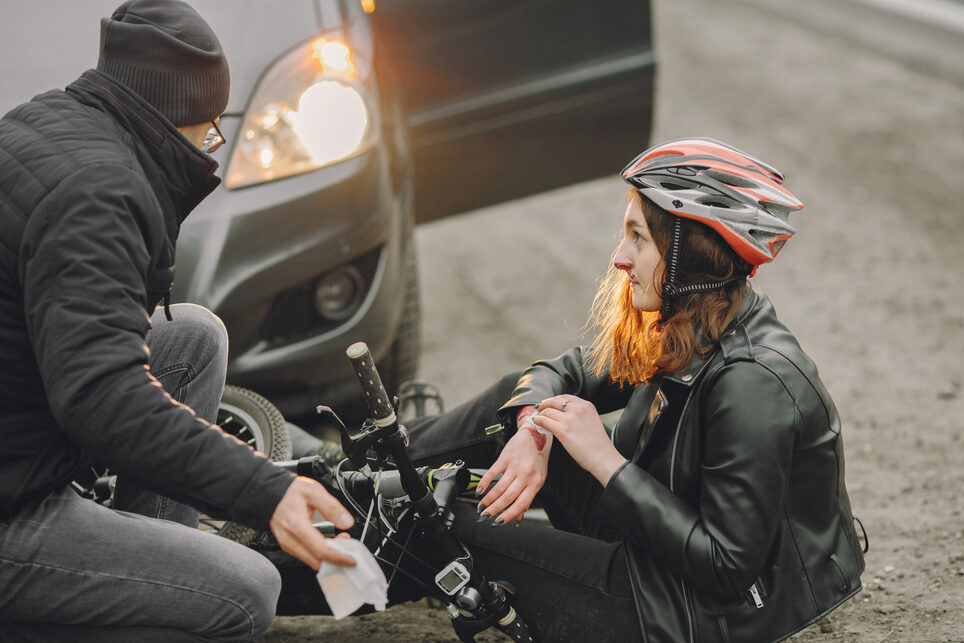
{"points": [[639, 257]]}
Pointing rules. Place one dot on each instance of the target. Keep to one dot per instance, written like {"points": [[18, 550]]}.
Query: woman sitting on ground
{"points": [[715, 509]]}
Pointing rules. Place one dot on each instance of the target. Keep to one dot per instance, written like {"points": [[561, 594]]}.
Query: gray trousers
{"points": [[73, 570]]}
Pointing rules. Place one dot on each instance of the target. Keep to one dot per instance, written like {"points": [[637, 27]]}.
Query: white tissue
{"points": [[535, 426], [348, 588]]}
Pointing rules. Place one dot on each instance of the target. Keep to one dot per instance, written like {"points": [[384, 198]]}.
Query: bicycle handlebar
{"points": [[449, 480], [476, 603], [371, 384]]}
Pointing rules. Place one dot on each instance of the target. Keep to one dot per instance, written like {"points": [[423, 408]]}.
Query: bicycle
{"points": [[394, 502]]}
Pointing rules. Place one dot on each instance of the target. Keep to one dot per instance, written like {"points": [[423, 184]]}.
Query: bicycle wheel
{"points": [[254, 420]]}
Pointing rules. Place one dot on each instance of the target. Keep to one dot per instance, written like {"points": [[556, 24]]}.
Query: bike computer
{"points": [[452, 578]]}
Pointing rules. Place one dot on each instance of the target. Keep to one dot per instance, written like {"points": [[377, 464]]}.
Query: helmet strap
{"points": [[672, 291]]}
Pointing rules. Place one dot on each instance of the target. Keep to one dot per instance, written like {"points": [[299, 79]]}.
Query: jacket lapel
{"points": [[626, 433]]}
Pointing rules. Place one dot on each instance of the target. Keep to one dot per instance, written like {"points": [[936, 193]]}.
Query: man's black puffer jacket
{"points": [[94, 185], [733, 506]]}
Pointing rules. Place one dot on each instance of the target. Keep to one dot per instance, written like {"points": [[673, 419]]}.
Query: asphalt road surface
{"points": [[863, 110]]}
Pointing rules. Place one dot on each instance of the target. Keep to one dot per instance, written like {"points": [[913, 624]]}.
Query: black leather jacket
{"points": [[732, 505], [94, 185]]}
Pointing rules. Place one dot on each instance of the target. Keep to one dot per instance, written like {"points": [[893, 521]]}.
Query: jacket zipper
{"points": [[755, 593], [672, 474]]}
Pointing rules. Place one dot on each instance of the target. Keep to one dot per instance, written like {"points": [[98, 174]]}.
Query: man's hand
{"points": [[523, 463], [291, 523]]}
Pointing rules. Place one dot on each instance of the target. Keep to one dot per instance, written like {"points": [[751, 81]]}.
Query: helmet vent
{"points": [[730, 179], [666, 185], [781, 212], [760, 236], [718, 200]]}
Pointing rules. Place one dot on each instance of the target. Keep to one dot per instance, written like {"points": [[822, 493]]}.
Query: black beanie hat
{"points": [[166, 53]]}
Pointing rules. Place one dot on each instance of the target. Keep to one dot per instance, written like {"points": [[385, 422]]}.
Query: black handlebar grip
{"points": [[375, 394], [513, 625]]}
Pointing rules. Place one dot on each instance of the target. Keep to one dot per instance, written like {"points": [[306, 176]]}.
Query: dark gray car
{"points": [[348, 122]]}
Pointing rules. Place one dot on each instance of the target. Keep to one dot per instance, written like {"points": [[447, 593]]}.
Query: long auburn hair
{"points": [[632, 343]]}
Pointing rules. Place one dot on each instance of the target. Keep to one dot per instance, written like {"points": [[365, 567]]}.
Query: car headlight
{"points": [[311, 109]]}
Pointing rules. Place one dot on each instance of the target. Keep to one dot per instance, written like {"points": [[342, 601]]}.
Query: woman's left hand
{"points": [[576, 424]]}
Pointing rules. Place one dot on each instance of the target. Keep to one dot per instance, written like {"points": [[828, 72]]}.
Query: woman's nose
{"points": [[620, 261]]}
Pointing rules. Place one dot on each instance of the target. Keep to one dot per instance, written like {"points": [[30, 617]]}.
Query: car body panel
{"points": [[506, 98], [476, 101]]}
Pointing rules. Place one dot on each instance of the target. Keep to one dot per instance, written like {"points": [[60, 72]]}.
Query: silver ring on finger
{"points": [[564, 402]]}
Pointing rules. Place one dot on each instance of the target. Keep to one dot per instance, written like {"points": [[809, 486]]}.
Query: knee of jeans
{"points": [[203, 325], [266, 603], [258, 585]]}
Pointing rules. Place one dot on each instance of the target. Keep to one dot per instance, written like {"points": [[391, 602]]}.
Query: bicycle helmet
{"points": [[735, 194]]}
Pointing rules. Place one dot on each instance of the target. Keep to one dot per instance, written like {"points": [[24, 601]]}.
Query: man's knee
{"points": [[201, 322], [268, 588], [256, 585], [194, 332]]}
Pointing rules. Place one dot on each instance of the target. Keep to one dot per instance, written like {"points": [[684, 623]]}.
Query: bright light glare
{"points": [[270, 120], [334, 56], [266, 156], [331, 120]]}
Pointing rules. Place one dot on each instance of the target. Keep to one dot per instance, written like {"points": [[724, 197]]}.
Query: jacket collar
{"points": [[634, 438], [689, 375], [180, 174]]}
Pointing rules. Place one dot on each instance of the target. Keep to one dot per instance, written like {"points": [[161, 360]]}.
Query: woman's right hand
{"points": [[523, 463]]}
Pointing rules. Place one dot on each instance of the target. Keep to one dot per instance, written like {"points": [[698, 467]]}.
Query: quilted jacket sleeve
{"points": [[83, 261], [568, 373]]}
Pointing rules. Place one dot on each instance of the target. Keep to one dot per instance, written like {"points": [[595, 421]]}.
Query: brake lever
{"points": [[355, 447]]}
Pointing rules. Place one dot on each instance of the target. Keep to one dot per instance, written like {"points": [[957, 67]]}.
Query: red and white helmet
{"points": [[740, 197]]}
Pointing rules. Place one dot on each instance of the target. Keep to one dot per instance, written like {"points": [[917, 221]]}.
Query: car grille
{"points": [[293, 314]]}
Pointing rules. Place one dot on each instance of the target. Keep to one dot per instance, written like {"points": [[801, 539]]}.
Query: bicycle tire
{"points": [[254, 420]]}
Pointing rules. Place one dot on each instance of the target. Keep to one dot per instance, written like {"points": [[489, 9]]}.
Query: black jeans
{"points": [[573, 579]]}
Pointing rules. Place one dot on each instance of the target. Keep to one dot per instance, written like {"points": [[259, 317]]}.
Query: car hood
{"points": [[49, 44]]}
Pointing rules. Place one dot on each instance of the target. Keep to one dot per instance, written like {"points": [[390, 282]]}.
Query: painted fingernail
{"points": [[483, 518], [480, 509], [517, 522], [496, 522]]}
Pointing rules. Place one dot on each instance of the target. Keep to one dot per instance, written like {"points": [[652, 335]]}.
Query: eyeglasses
{"points": [[214, 139]]}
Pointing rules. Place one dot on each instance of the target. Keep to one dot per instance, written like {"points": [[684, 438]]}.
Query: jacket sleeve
{"points": [[568, 373], [83, 261], [720, 546]]}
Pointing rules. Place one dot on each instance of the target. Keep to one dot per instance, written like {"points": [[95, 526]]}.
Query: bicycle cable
{"points": [[371, 507], [354, 503]]}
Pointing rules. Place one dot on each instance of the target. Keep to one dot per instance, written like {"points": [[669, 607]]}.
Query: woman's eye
{"points": [[636, 237]]}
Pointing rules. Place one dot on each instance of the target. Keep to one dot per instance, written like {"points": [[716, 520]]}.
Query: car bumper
{"points": [[253, 255]]}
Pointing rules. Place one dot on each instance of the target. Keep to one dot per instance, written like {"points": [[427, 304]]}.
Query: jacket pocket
{"points": [[845, 583], [724, 628]]}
